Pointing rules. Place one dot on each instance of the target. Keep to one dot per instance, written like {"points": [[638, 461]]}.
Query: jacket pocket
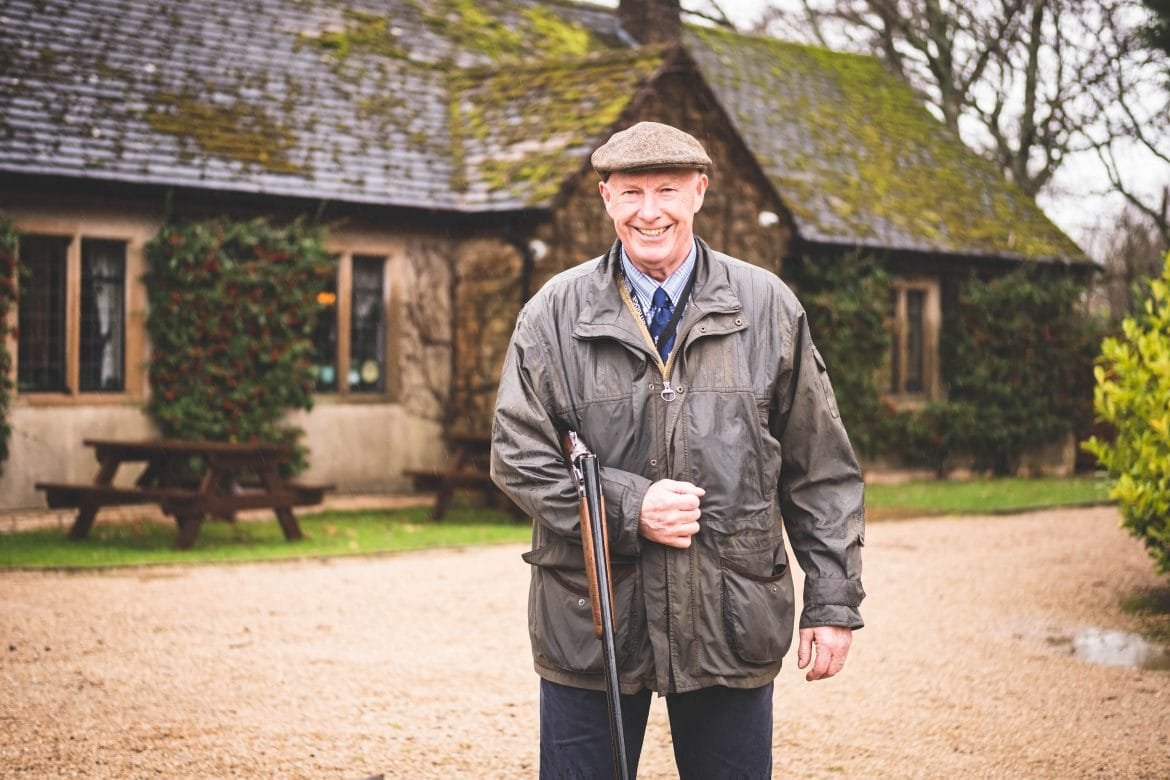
{"points": [[826, 385], [561, 617], [758, 607]]}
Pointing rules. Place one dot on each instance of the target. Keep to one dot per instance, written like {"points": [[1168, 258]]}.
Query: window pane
{"points": [[367, 359], [41, 344], [895, 344], [103, 334], [325, 338], [915, 328]]}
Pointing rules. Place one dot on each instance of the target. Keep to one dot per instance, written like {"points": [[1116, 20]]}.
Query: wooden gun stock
{"points": [[591, 570]]}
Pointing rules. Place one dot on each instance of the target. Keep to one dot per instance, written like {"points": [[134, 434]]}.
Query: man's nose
{"points": [[649, 206]]}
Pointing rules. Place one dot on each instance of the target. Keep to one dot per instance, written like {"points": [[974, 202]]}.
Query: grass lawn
{"points": [[981, 496], [327, 534], [369, 532]]}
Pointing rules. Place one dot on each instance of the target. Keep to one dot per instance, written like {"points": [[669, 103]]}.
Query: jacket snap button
{"points": [[775, 588], [738, 321], [654, 461], [580, 602], [702, 329]]}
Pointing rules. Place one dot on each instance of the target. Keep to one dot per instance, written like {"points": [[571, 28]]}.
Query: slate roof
{"points": [[859, 160], [469, 106], [314, 98]]}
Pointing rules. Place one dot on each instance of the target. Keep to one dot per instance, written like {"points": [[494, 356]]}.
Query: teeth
{"points": [[652, 233]]}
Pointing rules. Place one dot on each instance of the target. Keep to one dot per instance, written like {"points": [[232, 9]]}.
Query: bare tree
{"points": [[1131, 252], [456, 330], [430, 352], [1030, 83]]}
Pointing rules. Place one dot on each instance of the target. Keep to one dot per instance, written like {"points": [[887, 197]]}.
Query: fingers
{"points": [[804, 652], [670, 512], [681, 488], [832, 648]]}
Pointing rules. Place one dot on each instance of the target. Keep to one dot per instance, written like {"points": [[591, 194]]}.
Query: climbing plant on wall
{"points": [[232, 310], [9, 270], [846, 302]]}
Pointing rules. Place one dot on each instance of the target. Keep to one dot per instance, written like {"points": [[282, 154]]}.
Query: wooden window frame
{"points": [[344, 312], [133, 378], [898, 330]]}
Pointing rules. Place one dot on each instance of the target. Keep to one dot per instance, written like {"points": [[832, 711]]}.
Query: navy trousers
{"points": [[717, 732]]}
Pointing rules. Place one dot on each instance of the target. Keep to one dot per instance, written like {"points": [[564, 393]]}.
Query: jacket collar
{"points": [[604, 313]]}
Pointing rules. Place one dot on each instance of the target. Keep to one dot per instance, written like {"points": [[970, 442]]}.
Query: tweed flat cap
{"points": [[649, 145]]}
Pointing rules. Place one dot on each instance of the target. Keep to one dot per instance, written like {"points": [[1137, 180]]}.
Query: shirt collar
{"points": [[643, 286]]}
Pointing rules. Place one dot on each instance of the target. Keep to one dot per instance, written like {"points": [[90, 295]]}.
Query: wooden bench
{"points": [[188, 480], [467, 469]]}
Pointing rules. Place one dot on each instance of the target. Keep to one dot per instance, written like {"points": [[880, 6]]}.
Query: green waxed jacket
{"points": [[753, 422]]}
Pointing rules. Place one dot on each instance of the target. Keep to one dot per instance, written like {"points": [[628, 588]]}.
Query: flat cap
{"points": [[649, 145]]}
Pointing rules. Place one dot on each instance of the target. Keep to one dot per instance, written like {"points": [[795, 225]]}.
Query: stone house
{"points": [[445, 144]]}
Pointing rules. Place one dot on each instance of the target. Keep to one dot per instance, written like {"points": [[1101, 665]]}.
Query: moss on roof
{"points": [[491, 30], [856, 156], [236, 130], [524, 128]]}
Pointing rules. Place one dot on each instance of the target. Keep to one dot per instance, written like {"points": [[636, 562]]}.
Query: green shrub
{"points": [[232, 310], [9, 271], [1133, 396]]}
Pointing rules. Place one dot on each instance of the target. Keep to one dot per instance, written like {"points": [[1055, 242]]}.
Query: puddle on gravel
{"points": [[1115, 648]]}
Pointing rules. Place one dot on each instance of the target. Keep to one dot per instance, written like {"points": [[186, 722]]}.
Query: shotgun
{"points": [[595, 541]]}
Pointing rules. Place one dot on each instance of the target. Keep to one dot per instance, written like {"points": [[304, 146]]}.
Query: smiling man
{"points": [[694, 378]]}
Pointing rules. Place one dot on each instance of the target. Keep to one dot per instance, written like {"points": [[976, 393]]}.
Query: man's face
{"points": [[653, 213]]}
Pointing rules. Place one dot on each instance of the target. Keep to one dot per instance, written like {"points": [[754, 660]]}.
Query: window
{"points": [[40, 346], [367, 371], [61, 346], [103, 286], [350, 344], [914, 325]]}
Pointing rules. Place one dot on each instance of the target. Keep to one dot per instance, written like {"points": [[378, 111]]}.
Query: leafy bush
{"points": [[9, 270], [232, 310], [1133, 396]]}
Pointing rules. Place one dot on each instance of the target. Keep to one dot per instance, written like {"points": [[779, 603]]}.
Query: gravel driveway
{"points": [[417, 665]]}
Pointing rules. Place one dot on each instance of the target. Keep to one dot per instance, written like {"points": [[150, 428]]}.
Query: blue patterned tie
{"points": [[660, 311]]}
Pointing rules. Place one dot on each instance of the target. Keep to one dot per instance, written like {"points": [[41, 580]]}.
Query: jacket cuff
{"points": [[623, 499], [831, 601], [830, 615]]}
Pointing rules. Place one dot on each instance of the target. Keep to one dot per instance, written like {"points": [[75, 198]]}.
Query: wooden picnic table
{"points": [[189, 480], [467, 469]]}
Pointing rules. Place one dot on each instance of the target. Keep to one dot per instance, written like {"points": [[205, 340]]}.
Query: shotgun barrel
{"points": [[595, 541]]}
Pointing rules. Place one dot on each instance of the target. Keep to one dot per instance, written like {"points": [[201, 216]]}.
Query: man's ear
{"points": [[700, 190], [606, 195]]}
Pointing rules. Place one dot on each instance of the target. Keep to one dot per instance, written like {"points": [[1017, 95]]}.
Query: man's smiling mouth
{"points": [[652, 233]]}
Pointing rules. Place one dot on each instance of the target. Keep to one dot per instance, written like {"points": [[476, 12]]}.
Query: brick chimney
{"points": [[651, 21]]}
